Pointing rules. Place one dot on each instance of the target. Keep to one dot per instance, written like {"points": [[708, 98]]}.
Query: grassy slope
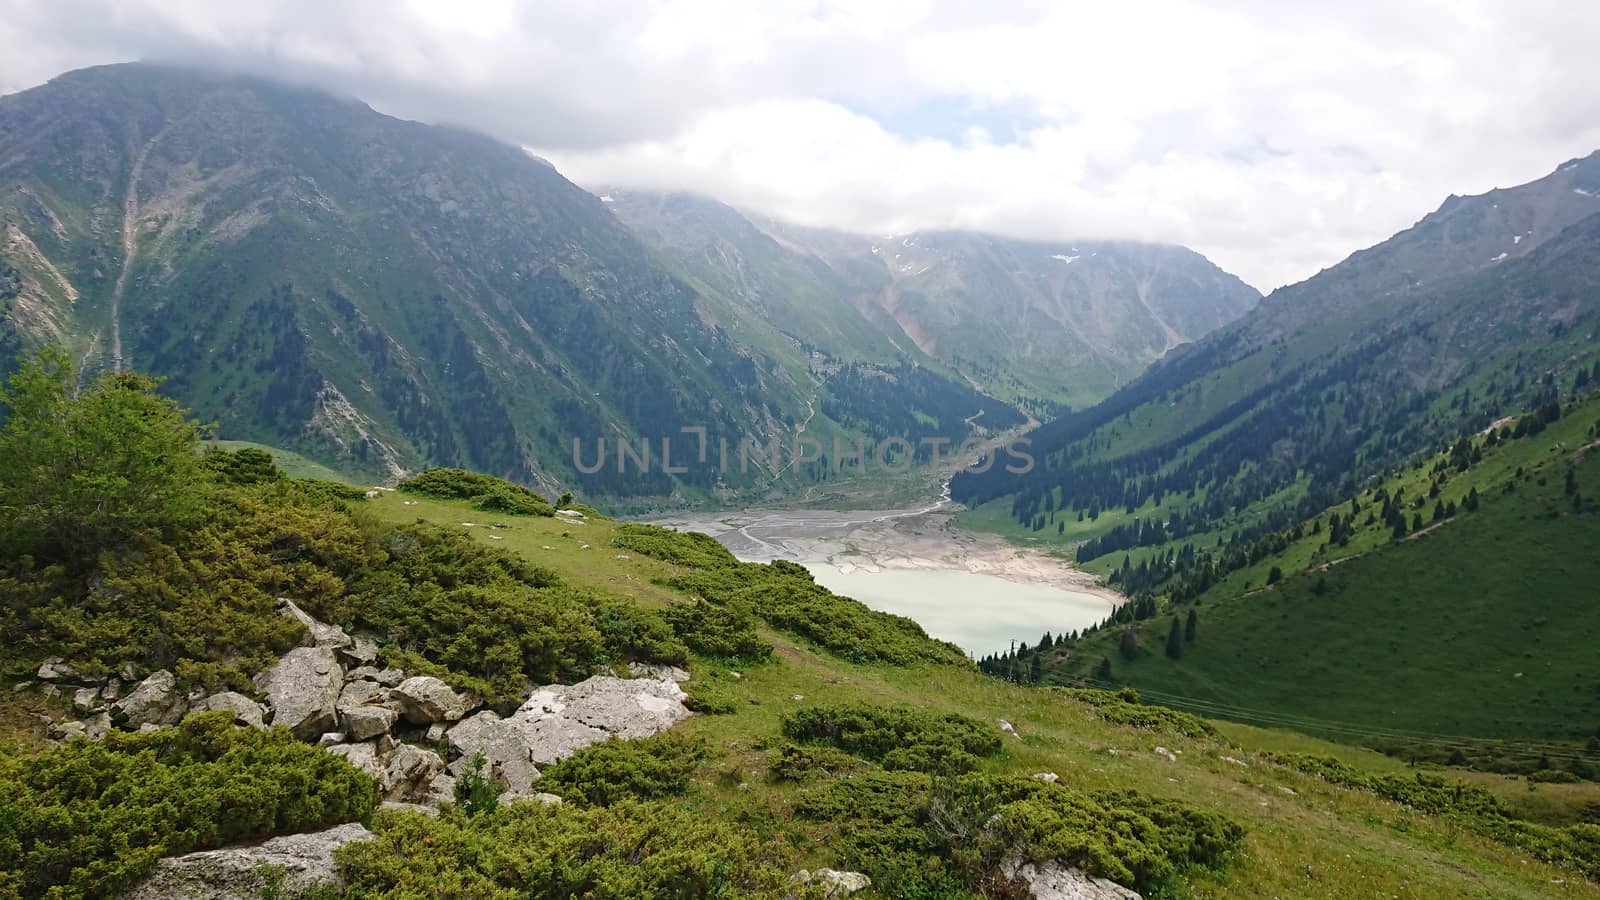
{"points": [[1483, 626], [293, 464], [1320, 841]]}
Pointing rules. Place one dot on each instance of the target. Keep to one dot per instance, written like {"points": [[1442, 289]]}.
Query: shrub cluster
{"points": [[719, 631], [898, 737], [1124, 708], [646, 769], [934, 836], [1576, 846], [485, 491], [86, 819], [529, 850], [686, 548]]}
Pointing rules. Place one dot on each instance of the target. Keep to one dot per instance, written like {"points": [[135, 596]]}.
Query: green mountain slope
{"points": [[1478, 619]]}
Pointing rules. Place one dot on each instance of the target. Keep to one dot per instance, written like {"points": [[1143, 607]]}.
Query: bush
{"points": [[718, 631], [647, 769], [686, 548], [796, 762], [900, 738], [242, 467], [485, 491], [712, 698], [86, 819], [531, 850], [909, 829], [1124, 708]]}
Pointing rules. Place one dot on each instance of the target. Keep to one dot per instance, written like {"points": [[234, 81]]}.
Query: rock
{"points": [[66, 731], [319, 634], [240, 873], [365, 757], [303, 691], [245, 711], [510, 797], [647, 670], [1005, 728], [128, 673], [366, 722], [1047, 777], [56, 669], [386, 677], [330, 738], [1054, 881], [435, 733], [96, 726], [505, 745], [363, 651], [154, 701], [397, 806], [149, 728], [630, 708], [21, 686], [442, 790], [111, 690], [1235, 762], [425, 700], [86, 700], [1170, 756], [833, 882], [410, 772]]}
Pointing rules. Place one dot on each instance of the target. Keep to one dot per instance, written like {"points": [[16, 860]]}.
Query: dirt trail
{"points": [[130, 244]]}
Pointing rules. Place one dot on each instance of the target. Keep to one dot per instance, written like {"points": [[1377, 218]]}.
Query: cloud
{"points": [[1274, 137]]}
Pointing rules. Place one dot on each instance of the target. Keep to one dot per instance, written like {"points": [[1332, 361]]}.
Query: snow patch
{"points": [[1582, 192], [1516, 239], [606, 198], [1500, 258], [1066, 259]]}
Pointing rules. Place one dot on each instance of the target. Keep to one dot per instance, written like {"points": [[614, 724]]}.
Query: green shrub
{"points": [[485, 491], [1123, 708], [912, 829], [712, 697], [245, 466], [331, 491], [686, 548], [647, 769], [718, 631], [899, 737], [477, 793], [530, 850], [802, 762], [86, 819]]}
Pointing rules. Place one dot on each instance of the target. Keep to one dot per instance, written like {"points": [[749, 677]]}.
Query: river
{"points": [[975, 590]]}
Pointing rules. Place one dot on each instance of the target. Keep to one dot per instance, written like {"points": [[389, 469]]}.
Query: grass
{"points": [[293, 464], [1320, 841]]}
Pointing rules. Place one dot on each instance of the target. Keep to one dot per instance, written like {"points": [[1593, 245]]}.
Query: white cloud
{"points": [[1274, 137]]}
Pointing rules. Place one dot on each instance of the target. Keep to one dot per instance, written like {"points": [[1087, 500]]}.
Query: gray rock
{"points": [[397, 806], [504, 744], [66, 731], [366, 722], [356, 694], [239, 873], [436, 732], [149, 728], [1053, 881], [86, 700], [56, 669], [630, 708], [833, 882], [441, 790], [318, 634], [330, 738], [96, 726], [363, 756], [21, 686], [245, 711], [363, 651], [1047, 777], [386, 677], [425, 700], [647, 670], [303, 691], [155, 701], [510, 797], [410, 772]]}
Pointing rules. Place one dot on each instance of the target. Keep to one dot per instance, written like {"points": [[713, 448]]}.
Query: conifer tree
{"points": [[1175, 640], [1191, 627]]}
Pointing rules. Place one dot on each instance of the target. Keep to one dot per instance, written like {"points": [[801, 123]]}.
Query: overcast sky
{"points": [[1274, 136]]}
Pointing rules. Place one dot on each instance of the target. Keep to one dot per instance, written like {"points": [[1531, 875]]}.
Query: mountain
{"points": [[310, 274], [1037, 324], [1316, 436]]}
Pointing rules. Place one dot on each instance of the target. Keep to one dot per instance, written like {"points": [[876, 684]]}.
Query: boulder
{"points": [[86, 700], [363, 651], [424, 700], [385, 677], [331, 739], [245, 711], [504, 744], [1047, 777], [364, 722], [318, 634], [1053, 881], [363, 756], [833, 882], [630, 708], [154, 701], [303, 691], [663, 671], [240, 873], [96, 726], [56, 669], [409, 773], [510, 797], [68, 730]]}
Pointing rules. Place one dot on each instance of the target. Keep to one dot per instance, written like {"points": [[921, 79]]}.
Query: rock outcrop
{"points": [[424, 700], [240, 873], [155, 701], [303, 691], [245, 711], [1054, 881], [833, 882]]}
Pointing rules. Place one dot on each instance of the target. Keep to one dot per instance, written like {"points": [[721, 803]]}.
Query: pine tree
{"points": [[1035, 668], [1471, 502], [1190, 627], [1128, 644], [1102, 672], [1175, 640], [1275, 575]]}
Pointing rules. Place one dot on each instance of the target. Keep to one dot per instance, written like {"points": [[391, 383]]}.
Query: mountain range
{"points": [[385, 295]]}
